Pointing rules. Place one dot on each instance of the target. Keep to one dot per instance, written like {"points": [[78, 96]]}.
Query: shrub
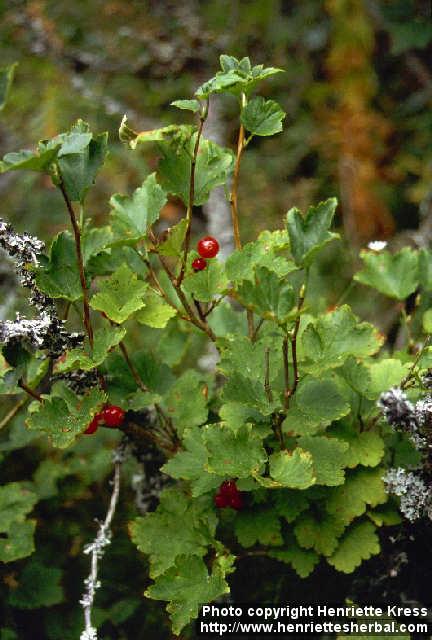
{"points": [[281, 450]]}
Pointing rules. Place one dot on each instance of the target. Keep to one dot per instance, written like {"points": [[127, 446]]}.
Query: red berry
{"points": [[228, 489], [236, 502], [208, 247], [199, 264], [220, 501], [113, 416], [93, 424]]}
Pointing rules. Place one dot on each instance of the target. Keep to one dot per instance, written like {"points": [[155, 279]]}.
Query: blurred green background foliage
{"points": [[357, 91]]}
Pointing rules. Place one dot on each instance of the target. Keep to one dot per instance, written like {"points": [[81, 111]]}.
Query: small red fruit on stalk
{"points": [[237, 502], [220, 501], [228, 488], [229, 496], [93, 424], [113, 416], [199, 264], [208, 247]]}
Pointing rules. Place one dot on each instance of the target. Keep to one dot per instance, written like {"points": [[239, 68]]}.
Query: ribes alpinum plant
{"points": [[287, 448]]}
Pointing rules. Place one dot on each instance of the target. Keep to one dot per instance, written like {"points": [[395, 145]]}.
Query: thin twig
{"points": [[31, 392], [96, 549], [234, 206], [201, 314], [286, 372], [77, 236], [203, 116], [420, 352], [293, 339], [136, 376], [267, 386], [170, 431], [256, 330], [235, 183], [213, 306], [13, 412]]}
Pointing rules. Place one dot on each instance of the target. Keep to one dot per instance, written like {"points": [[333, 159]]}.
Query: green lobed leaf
{"points": [[16, 541], [248, 392], [63, 415], [120, 295], [233, 454], [187, 105], [366, 448], [236, 76], [269, 296], [205, 284], [309, 233], [316, 404], [59, 277], [292, 469], [303, 561], [385, 374], [187, 586], [16, 501], [395, 275], [156, 312], [359, 543], [332, 338], [159, 535], [172, 246], [41, 161], [290, 503], [235, 414], [241, 354], [80, 157], [189, 385], [38, 586], [319, 532], [213, 166], [19, 543], [94, 240], [260, 526], [329, 457], [362, 487], [425, 268], [263, 252], [190, 463], [262, 117], [85, 358], [132, 216]]}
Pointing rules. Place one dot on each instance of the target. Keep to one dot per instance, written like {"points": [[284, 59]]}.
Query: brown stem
{"points": [[234, 207], [267, 386], [171, 434], [13, 412], [286, 372], [191, 317], [213, 306], [405, 382], [191, 198], [201, 313], [256, 329], [31, 392], [77, 236], [293, 340], [136, 376], [234, 190]]}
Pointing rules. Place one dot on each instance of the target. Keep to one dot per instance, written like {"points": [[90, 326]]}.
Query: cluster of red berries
{"points": [[207, 247], [229, 496], [110, 416]]}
